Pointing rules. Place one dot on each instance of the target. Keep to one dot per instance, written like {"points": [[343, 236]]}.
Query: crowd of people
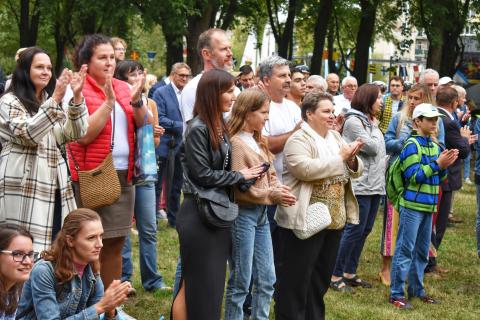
{"points": [[282, 175]]}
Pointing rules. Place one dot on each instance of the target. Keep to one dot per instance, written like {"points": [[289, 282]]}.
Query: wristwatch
{"points": [[137, 104]]}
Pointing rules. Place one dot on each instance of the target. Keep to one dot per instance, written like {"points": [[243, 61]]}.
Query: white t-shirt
{"points": [[187, 100], [249, 140], [282, 118], [340, 103], [121, 150]]}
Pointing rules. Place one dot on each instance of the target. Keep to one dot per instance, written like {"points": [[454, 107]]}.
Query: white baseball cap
{"points": [[445, 80], [426, 110]]}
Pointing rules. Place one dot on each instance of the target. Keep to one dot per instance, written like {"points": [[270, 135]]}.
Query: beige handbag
{"points": [[317, 218], [100, 186]]}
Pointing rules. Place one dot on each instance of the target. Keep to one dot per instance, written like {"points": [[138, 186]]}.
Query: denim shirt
{"points": [[43, 298]]}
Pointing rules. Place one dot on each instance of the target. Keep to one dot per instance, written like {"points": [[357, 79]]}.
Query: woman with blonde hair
{"points": [[65, 283], [397, 133], [252, 251]]}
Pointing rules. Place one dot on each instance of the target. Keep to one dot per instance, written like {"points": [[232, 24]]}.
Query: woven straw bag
{"points": [[317, 218], [100, 186]]}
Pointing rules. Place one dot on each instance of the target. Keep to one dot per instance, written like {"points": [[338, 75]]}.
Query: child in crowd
{"points": [[423, 168]]}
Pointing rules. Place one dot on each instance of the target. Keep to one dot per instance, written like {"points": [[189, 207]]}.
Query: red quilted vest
{"points": [[90, 156]]}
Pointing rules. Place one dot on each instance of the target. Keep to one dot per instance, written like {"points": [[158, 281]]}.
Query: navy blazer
{"points": [[454, 140], [170, 118]]}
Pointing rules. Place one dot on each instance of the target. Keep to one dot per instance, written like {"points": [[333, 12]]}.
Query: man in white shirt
{"points": [[285, 115], [342, 102], [215, 48]]}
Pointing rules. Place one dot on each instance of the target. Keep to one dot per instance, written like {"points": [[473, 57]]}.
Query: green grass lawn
{"points": [[459, 290]]}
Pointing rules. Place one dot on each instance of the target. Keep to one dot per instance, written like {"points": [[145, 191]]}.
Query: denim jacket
{"points": [[43, 298]]}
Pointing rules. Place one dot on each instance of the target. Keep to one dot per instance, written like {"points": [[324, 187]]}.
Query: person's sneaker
{"points": [[163, 287], [453, 219], [161, 215], [468, 181], [401, 303], [122, 315], [429, 300]]}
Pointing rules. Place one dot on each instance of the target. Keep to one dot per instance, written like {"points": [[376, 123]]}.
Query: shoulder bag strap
{"points": [[112, 143]]}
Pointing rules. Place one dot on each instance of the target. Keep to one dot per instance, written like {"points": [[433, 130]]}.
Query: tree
{"points": [[321, 27], [27, 20], [364, 38], [283, 32], [444, 47]]}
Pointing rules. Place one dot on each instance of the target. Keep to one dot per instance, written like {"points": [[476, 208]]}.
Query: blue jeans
{"points": [[478, 219], [466, 166], [411, 253], [145, 216], [252, 253], [354, 236]]}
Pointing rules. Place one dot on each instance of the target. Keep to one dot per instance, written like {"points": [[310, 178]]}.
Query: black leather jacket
{"points": [[203, 165]]}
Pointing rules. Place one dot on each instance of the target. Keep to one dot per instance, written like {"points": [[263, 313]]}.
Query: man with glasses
{"points": [[119, 47], [342, 102], [167, 99], [297, 86], [392, 102]]}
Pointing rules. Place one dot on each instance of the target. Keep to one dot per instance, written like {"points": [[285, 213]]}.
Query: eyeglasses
{"points": [[183, 75], [120, 49], [396, 85], [19, 256], [351, 86]]}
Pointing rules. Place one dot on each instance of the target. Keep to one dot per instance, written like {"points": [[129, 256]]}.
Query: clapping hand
{"points": [[61, 85], [447, 157], [137, 88], [109, 93], [76, 83]]}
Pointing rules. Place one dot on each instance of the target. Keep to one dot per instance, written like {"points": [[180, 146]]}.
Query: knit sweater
{"points": [[422, 175], [244, 156]]}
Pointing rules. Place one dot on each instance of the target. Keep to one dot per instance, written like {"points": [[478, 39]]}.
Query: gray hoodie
{"points": [[372, 153]]}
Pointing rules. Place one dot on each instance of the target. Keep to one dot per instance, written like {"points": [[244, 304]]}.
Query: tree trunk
{"points": [[364, 39], [332, 68], [285, 45], [195, 26], [28, 26], [174, 52], [321, 28]]}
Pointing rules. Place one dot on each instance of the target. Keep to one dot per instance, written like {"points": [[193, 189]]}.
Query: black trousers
{"points": [[442, 219], [204, 252], [303, 274]]}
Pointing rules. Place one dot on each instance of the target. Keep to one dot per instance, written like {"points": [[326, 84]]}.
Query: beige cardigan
{"points": [[244, 157], [303, 166]]}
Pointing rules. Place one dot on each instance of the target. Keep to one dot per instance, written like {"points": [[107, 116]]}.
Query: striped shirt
{"points": [[422, 175]]}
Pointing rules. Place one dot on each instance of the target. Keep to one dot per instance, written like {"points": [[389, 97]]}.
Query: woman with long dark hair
{"points": [[206, 159], [16, 261], [34, 188], [65, 283]]}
